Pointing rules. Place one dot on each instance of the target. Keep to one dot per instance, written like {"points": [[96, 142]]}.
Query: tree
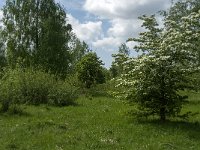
{"points": [[2, 52], [17, 30], [77, 50], [123, 49], [37, 32], [181, 9], [53, 52], [89, 70], [155, 78], [119, 58]]}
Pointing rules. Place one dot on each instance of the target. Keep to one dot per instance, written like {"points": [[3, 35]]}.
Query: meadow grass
{"points": [[97, 123]]}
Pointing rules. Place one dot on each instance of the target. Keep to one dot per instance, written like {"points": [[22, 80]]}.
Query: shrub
{"points": [[16, 110], [35, 86], [90, 71], [10, 89], [29, 86], [165, 67], [62, 94]]}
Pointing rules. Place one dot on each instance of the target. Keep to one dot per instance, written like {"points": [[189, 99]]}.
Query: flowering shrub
{"points": [[169, 58]]}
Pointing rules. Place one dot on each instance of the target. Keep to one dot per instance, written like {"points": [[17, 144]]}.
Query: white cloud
{"points": [[123, 17], [119, 32], [107, 43], [124, 27], [89, 31], [110, 9], [75, 4]]}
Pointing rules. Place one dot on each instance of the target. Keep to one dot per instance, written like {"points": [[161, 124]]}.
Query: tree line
{"points": [[36, 33], [41, 60]]}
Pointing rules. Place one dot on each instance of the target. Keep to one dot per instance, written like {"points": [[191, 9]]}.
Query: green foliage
{"points": [[181, 8], [107, 74], [123, 49], [77, 50], [10, 89], [35, 86], [16, 109], [179, 12], [119, 59], [155, 78], [62, 94], [37, 32], [53, 50], [29, 86], [2, 52], [99, 90], [89, 70]]}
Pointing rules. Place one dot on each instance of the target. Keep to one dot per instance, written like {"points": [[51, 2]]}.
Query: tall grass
{"points": [[100, 123]]}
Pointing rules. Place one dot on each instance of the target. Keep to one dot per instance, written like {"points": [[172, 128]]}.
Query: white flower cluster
{"points": [[166, 52]]}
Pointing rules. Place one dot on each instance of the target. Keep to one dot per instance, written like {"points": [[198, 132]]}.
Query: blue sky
{"points": [[105, 24]]}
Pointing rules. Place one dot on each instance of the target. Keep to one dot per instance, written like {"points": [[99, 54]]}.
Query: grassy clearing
{"points": [[96, 123]]}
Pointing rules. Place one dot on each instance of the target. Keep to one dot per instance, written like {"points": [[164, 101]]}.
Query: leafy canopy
{"points": [[89, 70], [36, 31]]}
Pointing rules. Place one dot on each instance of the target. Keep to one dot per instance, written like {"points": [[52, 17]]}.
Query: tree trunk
{"points": [[163, 99], [37, 29], [162, 114]]}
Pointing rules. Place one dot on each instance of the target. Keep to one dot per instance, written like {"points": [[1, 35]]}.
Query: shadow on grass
{"points": [[72, 103], [48, 106], [192, 129], [194, 102], [15, 110], [11, 114]]}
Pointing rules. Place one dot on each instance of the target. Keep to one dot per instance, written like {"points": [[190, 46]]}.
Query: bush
{"points": [[29, 86], [90, 71], [35, 86], [10, 89], [62, 94]]}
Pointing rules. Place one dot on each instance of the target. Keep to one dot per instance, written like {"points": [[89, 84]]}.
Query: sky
{"points": [[105, 24]]}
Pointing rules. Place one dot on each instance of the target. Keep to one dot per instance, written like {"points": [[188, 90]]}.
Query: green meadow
{"points": [[97, 123], [99, 75]]}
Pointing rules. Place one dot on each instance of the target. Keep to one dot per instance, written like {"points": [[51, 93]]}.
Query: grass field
{"points": [[96, 123]]}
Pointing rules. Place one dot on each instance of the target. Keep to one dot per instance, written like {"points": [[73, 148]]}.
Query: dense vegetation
{"points": [[89, 70], [56, 88], [41, 60]]}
